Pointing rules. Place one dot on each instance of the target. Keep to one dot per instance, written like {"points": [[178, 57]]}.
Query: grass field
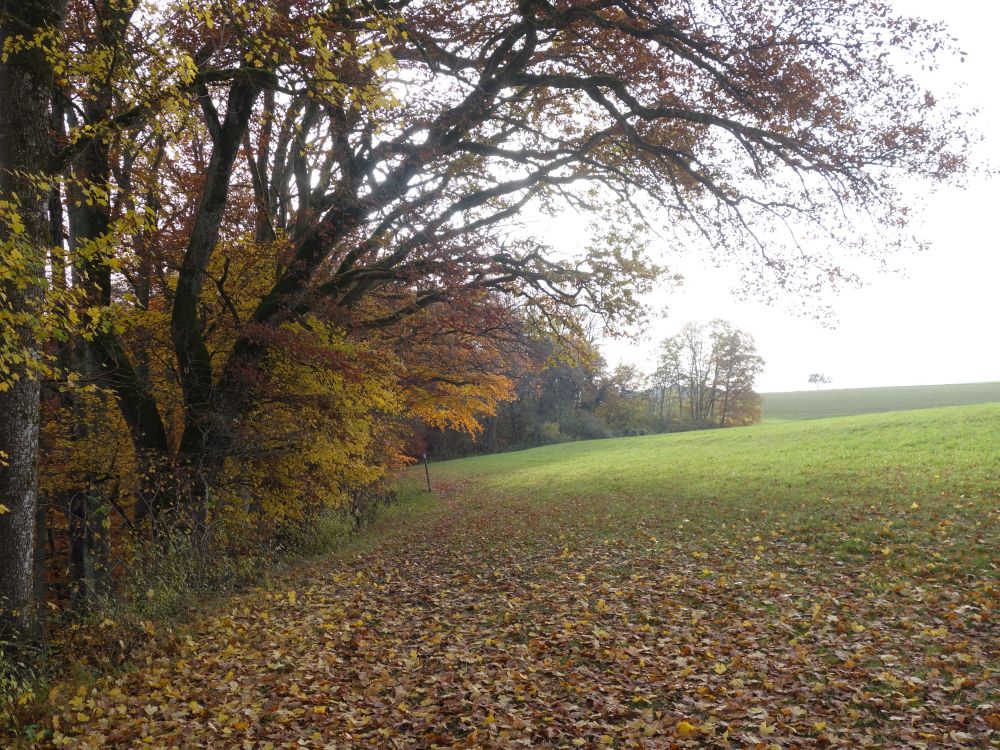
{"points": [[843, 402], [812, 584], [833, 482]]}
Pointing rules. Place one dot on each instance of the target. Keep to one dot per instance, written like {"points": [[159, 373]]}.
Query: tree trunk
{"points": [[25, 88], [18, 495], [41, 557], [207, 418], [104, 356]]}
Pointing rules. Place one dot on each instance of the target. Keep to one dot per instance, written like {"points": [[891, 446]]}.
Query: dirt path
{"points": [[488, 627]]}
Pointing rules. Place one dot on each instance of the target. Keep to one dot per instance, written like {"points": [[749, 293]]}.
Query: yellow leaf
{"points": [[686, 729], [720, 668], [4, 509]]}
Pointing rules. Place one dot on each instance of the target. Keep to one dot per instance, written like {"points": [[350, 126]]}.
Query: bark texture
{"points": [[25, 88]]}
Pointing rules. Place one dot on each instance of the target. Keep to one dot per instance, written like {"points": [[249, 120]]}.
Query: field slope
{"points": [[843, 402], [800, 585]]}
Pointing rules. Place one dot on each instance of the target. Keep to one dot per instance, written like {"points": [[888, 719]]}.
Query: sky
{"points": [[935, 323]]}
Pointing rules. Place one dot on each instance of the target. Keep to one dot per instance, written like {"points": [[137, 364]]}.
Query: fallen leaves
{"points": [[493, 629]]}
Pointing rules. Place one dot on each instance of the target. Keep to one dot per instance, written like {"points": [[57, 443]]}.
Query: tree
{"points": [[622, 404], [25, 90], [817, 379], [667, 382], [390, 194], [706, 375], [736, 367], [696, 372]]}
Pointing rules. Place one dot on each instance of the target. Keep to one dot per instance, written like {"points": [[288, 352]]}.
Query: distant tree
{"points": [[667, 382], [560, 381], [736, 366], [817, 379], [705, 375]]}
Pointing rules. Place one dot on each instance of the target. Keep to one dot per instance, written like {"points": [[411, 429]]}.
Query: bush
{"points": [[584, 425], [21, 682], [329, 531], [547, 433]]}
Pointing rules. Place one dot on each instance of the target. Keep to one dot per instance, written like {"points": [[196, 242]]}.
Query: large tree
{"points": [[25, 91], [394, 192]]}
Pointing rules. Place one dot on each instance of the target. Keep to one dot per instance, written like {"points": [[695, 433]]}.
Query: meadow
{"points": [[812, 471], [843, 402], [810, 584]]}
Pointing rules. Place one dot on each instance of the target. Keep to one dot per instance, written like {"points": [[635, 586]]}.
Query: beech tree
{"points": [[727, 121], [25, 89]]}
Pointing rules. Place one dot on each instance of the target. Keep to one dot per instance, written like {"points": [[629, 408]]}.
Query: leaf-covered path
{"points": [[500, 624]]}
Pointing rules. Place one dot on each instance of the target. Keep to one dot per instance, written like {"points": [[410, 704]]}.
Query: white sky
{"points": [[938, 324]]}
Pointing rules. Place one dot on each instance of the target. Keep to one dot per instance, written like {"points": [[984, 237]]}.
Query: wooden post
{"points": [[427, 473]]}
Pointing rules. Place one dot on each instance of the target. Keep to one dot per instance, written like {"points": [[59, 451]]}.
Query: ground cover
{"points": [[814, 584]]}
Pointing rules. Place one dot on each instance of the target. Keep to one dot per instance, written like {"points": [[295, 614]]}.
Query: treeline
{"points": [[704, 378]]}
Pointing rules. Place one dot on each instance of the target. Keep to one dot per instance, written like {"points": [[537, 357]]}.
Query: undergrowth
{"points": [[162, 586]]}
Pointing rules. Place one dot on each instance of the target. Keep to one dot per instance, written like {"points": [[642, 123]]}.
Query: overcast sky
{"points": [[936, 324]]}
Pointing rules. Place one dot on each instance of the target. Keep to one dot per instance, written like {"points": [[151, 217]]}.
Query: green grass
{"points": [[843, 402], [832, 483]]}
